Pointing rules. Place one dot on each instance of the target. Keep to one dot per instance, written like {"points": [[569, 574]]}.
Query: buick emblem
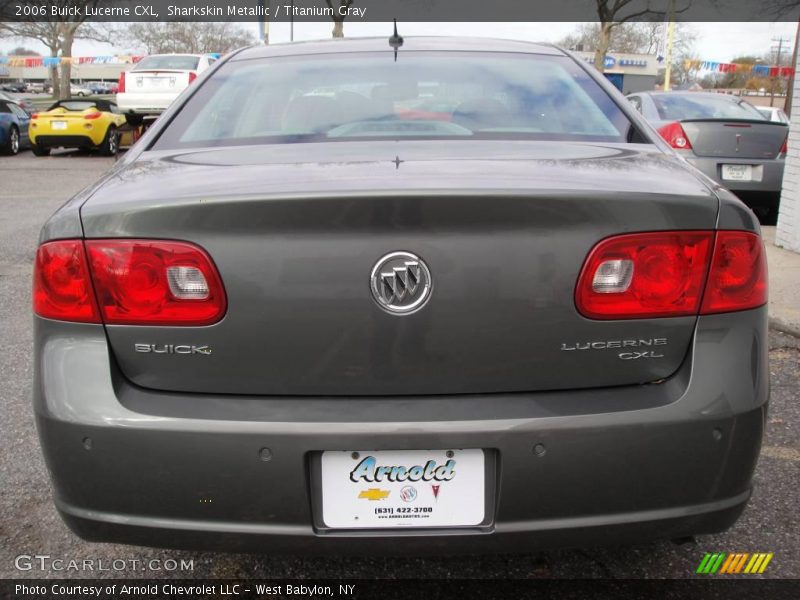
{"points": [[401, 283]]}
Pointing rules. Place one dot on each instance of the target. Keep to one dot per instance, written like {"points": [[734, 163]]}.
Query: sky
{"points": [[719, 42]]}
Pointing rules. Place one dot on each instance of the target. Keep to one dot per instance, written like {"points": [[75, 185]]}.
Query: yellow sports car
{"points": [[77, 124]]}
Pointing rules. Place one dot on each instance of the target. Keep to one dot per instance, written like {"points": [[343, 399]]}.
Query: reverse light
{"points": [[675, 136], [671, 274], [187, 283], [121, 83], [130, 282], [613, 276]]}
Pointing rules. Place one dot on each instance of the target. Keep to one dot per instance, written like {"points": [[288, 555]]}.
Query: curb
{"points": [[783, 326]]}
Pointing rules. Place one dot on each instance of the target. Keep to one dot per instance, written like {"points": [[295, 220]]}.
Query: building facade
{"points": [[79, 72], [787, 234], [629, 72]]}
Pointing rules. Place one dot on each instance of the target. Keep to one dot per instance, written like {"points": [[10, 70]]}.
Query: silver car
{"points": [[461, 299], [725, 137]]}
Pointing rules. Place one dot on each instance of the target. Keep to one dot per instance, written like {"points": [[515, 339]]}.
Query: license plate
{"points": [[403, 488], [58, 125], [737, 172]]}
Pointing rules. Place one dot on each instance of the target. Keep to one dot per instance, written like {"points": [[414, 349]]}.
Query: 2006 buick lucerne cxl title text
{"points": [[435, 295]]}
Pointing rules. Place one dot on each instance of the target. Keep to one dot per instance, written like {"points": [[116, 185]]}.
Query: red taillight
{"points": [[92, 115], [35, 116], [671, 274], [130, 282], [785, 146], [148, 282], [121, 83], [645, 275], [192, 77], [62, 288], [675, 136], [738, 277]]}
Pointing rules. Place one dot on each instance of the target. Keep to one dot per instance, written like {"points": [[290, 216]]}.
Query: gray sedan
{"points": [[725, 137], [314, 311]]}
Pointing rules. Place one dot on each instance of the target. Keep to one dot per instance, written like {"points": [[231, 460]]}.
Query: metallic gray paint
{"points": [[503, 226], [677, 479], [625, 461]]}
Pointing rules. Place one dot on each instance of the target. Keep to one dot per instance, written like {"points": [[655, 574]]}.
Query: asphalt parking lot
{"points": [[32, 188]]}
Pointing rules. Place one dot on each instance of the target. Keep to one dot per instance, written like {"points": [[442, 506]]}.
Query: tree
{"points": [[187, 37], [738, 79], [626, 37], [22, 51], [612, 14], [337, 17], [639, 38], [58, 37]]}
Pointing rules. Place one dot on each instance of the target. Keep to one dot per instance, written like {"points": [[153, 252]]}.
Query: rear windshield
{"points": [[184, 63], [421, 95], [81, 105], [777, 116], [676, 107]]}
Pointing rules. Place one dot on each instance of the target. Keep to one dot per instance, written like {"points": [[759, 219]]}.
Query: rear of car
{"points": [[23, 103], [151, 86], [14, 126], [725, 137], [460, 301], [773, 113], [91, 124]]}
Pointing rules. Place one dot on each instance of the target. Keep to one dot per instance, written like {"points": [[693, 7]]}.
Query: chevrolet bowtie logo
{"points": [[374, 494]]}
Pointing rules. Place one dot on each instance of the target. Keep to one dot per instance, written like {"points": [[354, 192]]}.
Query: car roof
{"points": [[101, 104], [731, 97], [176, 54], [412, 43]]}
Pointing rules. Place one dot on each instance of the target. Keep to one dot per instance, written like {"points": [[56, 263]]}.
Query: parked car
{"points": [[35, 88], [17, 87], [91, 124], [80, 91], [725, 137], [101, 87], [773, 113], [26, 105], [13, 127], [313, 323], [151, 86]]}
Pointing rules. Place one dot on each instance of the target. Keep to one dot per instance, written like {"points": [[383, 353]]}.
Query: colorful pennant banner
{"points": [[54, 61], [756, 70]]}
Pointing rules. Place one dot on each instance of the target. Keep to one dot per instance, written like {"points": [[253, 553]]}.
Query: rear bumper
{"points": [[771, 178], [621, 464], [145, 104], [65, 141]]}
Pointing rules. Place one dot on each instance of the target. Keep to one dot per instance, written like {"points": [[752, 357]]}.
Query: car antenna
{"points": [[395, 40]]}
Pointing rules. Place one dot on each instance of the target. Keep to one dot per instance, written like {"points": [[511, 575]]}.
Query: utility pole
{"points": [[790, 84], [781, 41], [670, 39], [263, 26]]}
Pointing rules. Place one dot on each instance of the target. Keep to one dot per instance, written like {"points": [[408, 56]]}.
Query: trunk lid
{"points": [[735, 138], [504, 228], [161, 81]]}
